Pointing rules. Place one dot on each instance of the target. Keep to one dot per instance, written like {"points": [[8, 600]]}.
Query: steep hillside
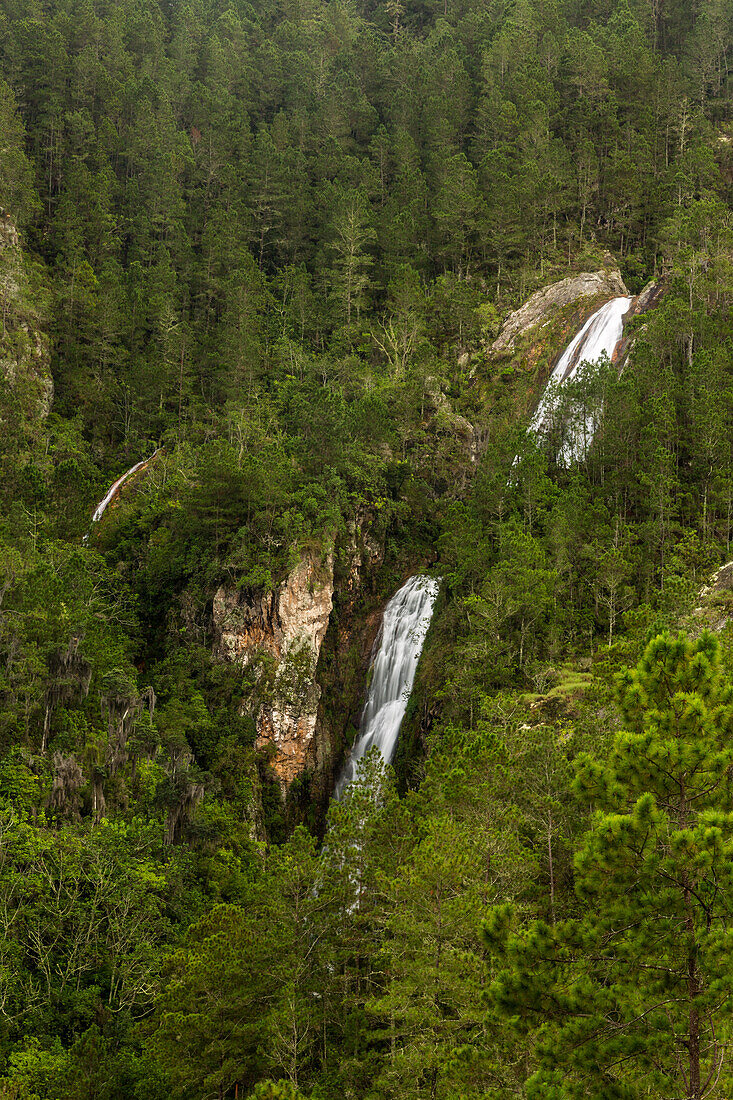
{"points": [[24, 350]]}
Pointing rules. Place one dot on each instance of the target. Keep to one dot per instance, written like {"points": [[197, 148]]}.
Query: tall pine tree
{"points": [[634, 999]]}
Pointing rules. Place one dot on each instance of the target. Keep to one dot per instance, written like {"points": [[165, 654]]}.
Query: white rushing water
{"points": [[114, 489], [599, 335], [406, 620]]}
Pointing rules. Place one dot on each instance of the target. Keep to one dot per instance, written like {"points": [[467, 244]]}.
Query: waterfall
{"points": [[114, 490], [406, 620], [600, 334]]}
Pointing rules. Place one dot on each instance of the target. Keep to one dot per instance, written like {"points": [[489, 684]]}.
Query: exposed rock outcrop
{"points": [[24, 347], [648, 299], [544, 304], [715, 610], [534, 337], [279, 635], [721, 581], [355, 621]]}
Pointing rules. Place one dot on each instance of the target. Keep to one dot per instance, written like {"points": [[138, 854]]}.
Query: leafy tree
{"points": [[239, 994]]}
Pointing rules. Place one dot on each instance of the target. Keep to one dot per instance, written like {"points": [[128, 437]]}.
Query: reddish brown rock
{"points": [[280, 634]]}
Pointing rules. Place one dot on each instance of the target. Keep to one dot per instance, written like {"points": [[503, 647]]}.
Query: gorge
{"points": [[277, 636]]}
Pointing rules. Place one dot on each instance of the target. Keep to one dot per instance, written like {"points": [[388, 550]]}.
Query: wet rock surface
{"points": [[648, 299]]}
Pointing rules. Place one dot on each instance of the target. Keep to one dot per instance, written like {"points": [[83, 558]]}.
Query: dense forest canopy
{"points": [[274, 243]]}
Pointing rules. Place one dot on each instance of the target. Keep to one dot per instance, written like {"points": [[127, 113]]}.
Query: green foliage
{"points": [[634, 996], [18, 199], [273, 243]]}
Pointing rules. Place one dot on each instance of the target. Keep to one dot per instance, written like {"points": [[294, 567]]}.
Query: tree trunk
{"points": [[552, 869], [693, 1040]]}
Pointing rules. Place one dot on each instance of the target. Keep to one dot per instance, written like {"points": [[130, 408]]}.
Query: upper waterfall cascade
{"points": [[406, 620], [599, 335], [115, 488]]}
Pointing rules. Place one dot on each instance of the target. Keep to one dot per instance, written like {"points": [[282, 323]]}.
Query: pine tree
{"points": [[353, 234], [17, 193], [634, 999]]}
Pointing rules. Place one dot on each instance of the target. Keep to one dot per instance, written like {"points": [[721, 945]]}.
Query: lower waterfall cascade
{"points": [[404, 627], [599, 336]]}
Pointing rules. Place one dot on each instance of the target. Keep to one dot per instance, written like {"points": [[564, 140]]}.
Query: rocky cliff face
{"points": [[278, 635], [357, 614], [649, 299], [24, 347], [304, 651], [545, 304], [533, 338]]}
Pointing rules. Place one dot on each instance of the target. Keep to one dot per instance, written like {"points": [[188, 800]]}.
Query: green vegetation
{"points": [[277, 241], [633, 993]]}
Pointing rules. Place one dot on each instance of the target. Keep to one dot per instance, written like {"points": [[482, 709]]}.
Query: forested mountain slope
{"points": [[275, 253]]}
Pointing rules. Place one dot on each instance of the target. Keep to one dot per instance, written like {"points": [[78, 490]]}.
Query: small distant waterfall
{"points": [[114, 490], [406, 620], [600, 334]]}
